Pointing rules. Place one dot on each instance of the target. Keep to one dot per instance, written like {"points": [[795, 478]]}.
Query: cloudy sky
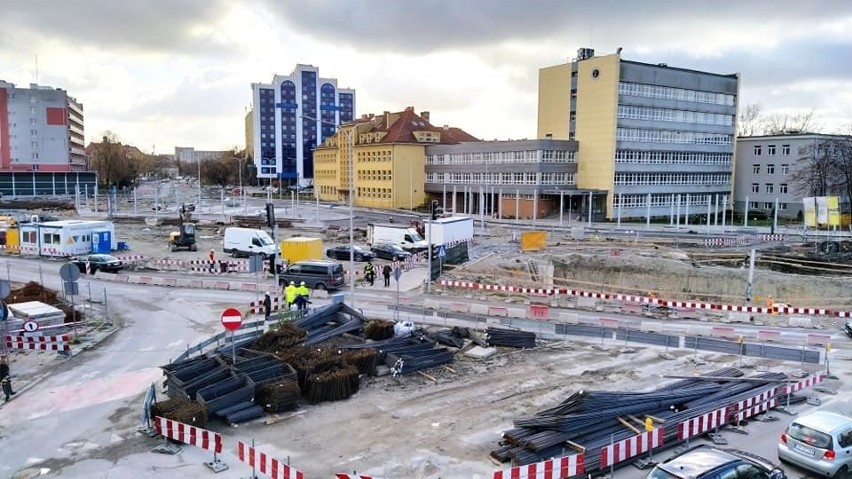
{"points": [[166, 73]]}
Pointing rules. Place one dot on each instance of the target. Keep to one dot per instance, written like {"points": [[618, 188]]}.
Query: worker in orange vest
{"points": [[211, 257]]}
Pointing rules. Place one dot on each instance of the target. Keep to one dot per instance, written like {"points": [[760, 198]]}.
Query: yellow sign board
{"points": [[833, 203]]}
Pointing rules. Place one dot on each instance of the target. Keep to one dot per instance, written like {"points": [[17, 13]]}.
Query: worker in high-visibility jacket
{"points": [[303, 294], [290, 293]]}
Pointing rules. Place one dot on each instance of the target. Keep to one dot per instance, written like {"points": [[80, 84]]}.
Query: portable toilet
{"points": [[101, 242]]}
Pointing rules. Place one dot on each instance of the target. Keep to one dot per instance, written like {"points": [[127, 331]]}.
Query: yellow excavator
{"points": [[184, 238]]}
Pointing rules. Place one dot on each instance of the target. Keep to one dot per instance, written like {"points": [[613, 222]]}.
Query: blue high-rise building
{"points": [[290, 117]]}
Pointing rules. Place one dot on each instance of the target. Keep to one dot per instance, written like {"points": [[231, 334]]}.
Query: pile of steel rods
{"points": [[333, 385], [510, 338], [594, 419]]}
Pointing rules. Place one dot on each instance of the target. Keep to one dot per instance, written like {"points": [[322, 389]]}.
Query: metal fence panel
{"points": [[657, 339]]}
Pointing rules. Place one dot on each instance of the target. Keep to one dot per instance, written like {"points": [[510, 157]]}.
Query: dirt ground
{"points": [[412, 427]]}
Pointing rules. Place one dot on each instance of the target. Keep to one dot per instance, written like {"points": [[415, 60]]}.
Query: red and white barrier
{"points": [[701, 424], [642, 299], [631, 447], [40, 343], [539, 311], [804, 383], [256, 307], [274, 468], [130, 257], [556, 468], [756, 405], [343, 475], [194, 436]]}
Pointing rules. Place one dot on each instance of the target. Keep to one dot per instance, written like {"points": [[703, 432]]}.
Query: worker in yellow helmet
{"points": [[290, 293]]}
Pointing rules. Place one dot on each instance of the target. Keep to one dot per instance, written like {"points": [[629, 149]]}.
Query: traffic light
{"points": [[435, 209], [270, 215]]}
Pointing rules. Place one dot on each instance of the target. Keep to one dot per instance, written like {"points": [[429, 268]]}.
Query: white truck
{"points": [[404, 236], [449, 231]]}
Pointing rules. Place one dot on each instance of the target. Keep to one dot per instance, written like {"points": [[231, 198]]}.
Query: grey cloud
{"points": [[435, 25], [150, 25]]}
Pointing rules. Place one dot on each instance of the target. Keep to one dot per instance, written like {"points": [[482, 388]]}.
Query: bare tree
{"points": [[749, 122], [825, 168], [787, 124]]}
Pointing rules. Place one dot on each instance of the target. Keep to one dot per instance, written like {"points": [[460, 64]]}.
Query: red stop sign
{"points": [[232, 318]]}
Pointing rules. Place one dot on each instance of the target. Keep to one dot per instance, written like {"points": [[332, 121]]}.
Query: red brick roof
{"points": [[403, 124]]}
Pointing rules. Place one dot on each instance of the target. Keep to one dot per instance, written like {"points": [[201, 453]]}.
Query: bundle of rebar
{"points": [[307, 360], [286, 336], [334, 384], [407, 362], [181, 410], [449, 337], [347, 327], [279, 396], [363, 359], [594, 419], [378, 329], [510, 338]]}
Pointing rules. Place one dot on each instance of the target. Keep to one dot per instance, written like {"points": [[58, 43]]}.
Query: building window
{"points": [[785, 169], [753, 205], [782, 206], [782, 188], [770, 169], [767, 205], [770, 150], [755, 169], [769, 188], [785, 150], [755, 187], [757, 150]]}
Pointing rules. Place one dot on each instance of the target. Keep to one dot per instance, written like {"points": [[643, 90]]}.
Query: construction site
{"points": [[349, 396]]}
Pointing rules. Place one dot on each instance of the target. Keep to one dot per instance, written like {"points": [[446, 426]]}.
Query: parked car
{"points": [[317, 274], [820, 442], [389, 251], [706, 462], [342, 253], [99, 262]]}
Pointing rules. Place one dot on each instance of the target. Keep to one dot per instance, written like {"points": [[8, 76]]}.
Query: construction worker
{"points": [[303, 294], [369, 272], [290, 294], [267, 306], [211, 257], [6, 379]]}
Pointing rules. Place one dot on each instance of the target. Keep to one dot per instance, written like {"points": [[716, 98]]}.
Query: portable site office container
{"points": [[68, 238]]}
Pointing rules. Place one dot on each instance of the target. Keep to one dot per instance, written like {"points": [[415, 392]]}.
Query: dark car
{"points": [[705, 462], [342, 253], [389, 251], [99, 262]]}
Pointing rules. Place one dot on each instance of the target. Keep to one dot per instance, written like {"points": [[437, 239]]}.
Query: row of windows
{"points": [[771, 149], [373, 193], [767, 205], [672, 157], [671, 136], [770, 169], [634, 179], [665, 114], [374, 175], [373, 156], [664, 199], [502, 157], [328, 190], [669, 93], [498, 179], [769, 188]]}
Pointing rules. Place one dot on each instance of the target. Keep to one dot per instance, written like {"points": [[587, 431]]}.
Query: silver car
{"points": [[820, 442]]}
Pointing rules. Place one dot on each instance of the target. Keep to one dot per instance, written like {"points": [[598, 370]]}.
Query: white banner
{"points": [[822, 210]]}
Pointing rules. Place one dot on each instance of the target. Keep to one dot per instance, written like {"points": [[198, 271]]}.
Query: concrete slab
{"points": [[478, 352]]}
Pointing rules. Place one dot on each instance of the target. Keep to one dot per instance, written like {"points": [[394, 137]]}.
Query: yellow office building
{"points": [[389, 159], [652, 139]]}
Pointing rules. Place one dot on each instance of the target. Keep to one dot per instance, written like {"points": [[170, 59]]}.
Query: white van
{"points": [[247, 241]]}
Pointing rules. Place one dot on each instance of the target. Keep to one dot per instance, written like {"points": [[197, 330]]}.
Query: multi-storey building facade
{"points": [[650, 136], [767, 165], [41, 129], [388, 154], [504, 179], [291, 116]]}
